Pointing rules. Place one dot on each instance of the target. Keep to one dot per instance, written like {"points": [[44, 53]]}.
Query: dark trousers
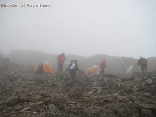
{"points": [[60, 67], [72, 74]]}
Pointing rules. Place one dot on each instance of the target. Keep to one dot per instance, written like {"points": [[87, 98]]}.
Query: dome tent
{"points": [[44, 68], [94, 70]]}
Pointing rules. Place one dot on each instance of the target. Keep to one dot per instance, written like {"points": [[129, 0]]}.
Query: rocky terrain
{"points": [[25, 94]]}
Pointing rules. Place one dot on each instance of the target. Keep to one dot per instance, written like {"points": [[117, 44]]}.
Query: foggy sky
{"points": [[81, 27]]}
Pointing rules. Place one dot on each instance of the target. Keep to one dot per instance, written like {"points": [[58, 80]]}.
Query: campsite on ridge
{"points": [[27, 92], [78, 58]]}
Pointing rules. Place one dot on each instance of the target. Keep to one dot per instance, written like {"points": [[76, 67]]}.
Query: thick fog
{"points": [[80, 27]]}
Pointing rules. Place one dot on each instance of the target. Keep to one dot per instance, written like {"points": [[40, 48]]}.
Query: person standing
{"points": [[143, 63], [73, 67], [103, 65], [61, 58]]}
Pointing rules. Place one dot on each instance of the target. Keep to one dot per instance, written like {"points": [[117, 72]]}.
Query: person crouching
{"points": [[102, 66]]}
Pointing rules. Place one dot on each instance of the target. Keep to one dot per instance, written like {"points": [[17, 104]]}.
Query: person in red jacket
{"points": [[61, 58], [103, 65]]}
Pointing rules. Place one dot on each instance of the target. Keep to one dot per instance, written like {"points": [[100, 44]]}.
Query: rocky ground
{"points": [[25, 94]]}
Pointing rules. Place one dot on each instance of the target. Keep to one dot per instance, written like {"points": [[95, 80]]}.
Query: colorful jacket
{"points": [[61, 58]]}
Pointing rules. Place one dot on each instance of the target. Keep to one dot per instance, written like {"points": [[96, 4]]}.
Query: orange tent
{"points": [[44, 68], [94, 70]]}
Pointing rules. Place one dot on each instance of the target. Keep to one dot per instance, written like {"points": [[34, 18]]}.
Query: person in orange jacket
{"points": [[103, 65], [61, 58]]}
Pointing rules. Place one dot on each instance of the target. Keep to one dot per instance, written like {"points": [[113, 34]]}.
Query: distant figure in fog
{"points": [[73, 67], [143, 63], [103, 65], [61, 58]]}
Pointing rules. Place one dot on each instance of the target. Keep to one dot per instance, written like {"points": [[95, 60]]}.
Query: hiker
{"points": [[103, 65], [143, 63], [73, 67], [61, 58]]}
